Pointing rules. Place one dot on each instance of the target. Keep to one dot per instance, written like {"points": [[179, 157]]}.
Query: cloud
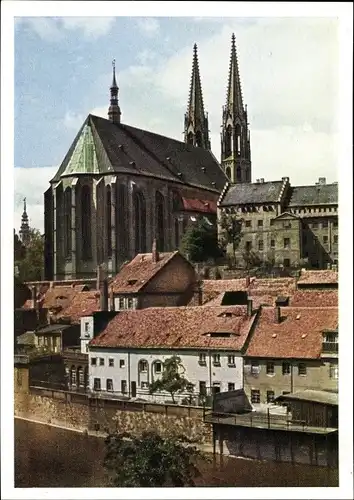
{"points": [[31, 183], [53, 29], [149, 26], [146, 56], [72, 120]]}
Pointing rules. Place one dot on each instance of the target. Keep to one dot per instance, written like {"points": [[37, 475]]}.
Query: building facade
{"points": [[280, 225]]}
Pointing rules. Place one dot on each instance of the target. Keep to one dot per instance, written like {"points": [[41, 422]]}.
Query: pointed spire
{"points": [[234, 102], [114, 109], [25, 229], [196, 121]]}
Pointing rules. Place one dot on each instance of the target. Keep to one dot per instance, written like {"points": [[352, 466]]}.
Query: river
{"points": [[50, 457]]}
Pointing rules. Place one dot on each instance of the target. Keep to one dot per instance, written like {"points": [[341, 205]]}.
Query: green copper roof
{"points": [[83, 159]]}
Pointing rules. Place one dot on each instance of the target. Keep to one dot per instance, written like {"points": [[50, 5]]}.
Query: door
{"points": [[133, 388]]}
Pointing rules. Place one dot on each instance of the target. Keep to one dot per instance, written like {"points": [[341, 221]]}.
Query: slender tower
{"points": [[24, 230], [114, 109], [196, 130], [235, 136]]}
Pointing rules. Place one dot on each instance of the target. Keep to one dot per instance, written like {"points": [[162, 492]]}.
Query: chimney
{"points": [[261, 180], [249, 307], [248, 281], [99, 277], [277, 314], [155, 253], [104, 295], [34, 296], [111, 299], [322, 181]]}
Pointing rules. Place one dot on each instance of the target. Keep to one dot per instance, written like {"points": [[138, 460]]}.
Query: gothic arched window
{"points": [[176, 232], [139, 222], [228, 141], [109, 220], [238, 173], [160, 221], [228, 172], [190, 138], [122, 220], [238, 139], [198, 139], [59, 213], [67, 222], [86, 223]]}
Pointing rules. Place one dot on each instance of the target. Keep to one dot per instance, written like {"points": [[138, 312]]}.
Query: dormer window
{"points": [[132, 282]]}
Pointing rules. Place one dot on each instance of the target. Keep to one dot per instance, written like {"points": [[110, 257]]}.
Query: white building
{"points": [[129, 353]]}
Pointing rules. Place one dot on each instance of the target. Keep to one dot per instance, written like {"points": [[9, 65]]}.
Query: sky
{"points": [[63, 67]]}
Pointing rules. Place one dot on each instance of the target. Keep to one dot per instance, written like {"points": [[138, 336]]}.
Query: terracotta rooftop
{"points": [[298, 335], [82, 304], [177, 327], [314, 298], [138, 272], [318, 277]]}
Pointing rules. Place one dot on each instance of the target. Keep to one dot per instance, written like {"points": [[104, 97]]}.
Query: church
{"points": [[119, 188]]}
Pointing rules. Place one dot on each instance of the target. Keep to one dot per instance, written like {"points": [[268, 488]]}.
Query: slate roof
{"points": [[297, 336], [323, 194], [242, 194], [176, 328], [153, 154], [139, 271]]}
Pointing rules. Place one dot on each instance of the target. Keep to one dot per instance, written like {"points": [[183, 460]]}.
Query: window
{"points": [[254, 368], [325, 223], [270, 396], [255, 396], [97, 384], [248, 245], [286, 242], [202, 388], [130, 303], [109, 385], [123, 386], [286, 262], [230, 386], [216, 359], [270, 368], [93, 361], [331, 337], [260, 245], [121, 303], [231, 360], [216, 387], [333, 371], [121, 363], [302, 369], [202, 358], [73, 376], [144, 385], [248, 223], [158, 367], [101, 361], [111, 362], [260, 223], [271, 222], [335, 238], [325, 240], [272, 243], [87, 324], [143, 365], [286, 368], [81, 377]]}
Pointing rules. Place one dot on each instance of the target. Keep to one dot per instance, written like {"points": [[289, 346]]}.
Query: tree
{"points": [[150, 460], [200, 242], [172, 379], [30, 260], [231, 231]]}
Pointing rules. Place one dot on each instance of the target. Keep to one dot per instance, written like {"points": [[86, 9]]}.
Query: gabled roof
{"points": [[286, 215], [83, 304], [177, 327], [322, 194], [297, 336], [245, 193], [137, 273], [115, 147]]}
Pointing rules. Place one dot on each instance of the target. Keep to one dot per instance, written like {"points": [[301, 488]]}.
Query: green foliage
{"points": [[200, 243], [231, 231], [30, 259], [172, 379], [150, 461]]}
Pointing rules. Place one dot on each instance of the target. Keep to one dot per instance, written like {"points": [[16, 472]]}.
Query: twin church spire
{"points": [[235, 138]]}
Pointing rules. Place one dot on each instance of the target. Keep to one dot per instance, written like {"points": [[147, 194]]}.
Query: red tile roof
{"points": [[177, 327], [138, 272], [82, 304], [298, 335], [314, 298], [193, 205], [318, 277]]}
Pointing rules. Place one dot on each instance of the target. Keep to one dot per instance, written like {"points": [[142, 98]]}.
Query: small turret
{"points": [[114, 112], [25, 229]]}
